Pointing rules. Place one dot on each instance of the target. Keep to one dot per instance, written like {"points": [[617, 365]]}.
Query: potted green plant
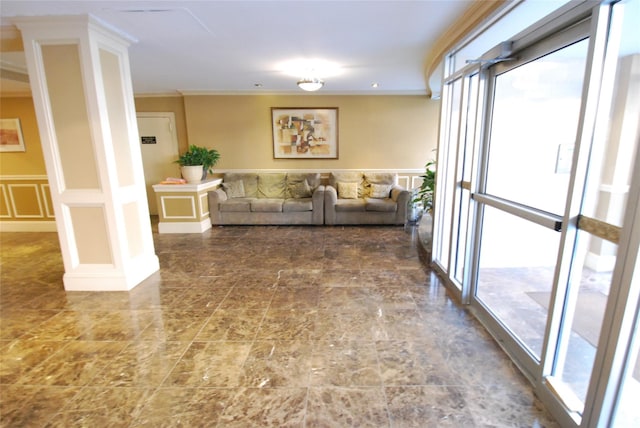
{"points": [[423, 196], [196, 162]]}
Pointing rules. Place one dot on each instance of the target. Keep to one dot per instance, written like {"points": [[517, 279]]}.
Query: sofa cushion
{"points": [[348, 177], [234, 189], [267, 205], [236, 205], [249, 181], [347, 190], [297, 205], [313, 179], [379, 178], [299, 190], [272, 185], [343, 205], [381, 205], [380, 191], [222, 195]]}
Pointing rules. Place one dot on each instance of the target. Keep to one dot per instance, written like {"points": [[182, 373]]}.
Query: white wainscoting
{"points": [[407, 178], [25, 204]]}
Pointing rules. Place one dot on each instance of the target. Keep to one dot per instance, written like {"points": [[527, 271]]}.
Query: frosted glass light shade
{"points": [[310, 84]]}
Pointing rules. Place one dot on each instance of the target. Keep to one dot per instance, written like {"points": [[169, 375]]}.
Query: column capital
{"points": [[69, 26]]}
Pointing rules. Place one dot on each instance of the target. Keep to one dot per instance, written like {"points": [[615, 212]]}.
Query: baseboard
{"points": [[28, 226], [184, 227]]}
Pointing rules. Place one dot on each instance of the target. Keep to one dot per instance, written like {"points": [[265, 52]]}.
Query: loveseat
{"points": [[365, 198], [268, 198]]}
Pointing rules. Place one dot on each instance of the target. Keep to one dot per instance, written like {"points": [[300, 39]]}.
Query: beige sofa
{"points": [[365, 198], [268, 198]]}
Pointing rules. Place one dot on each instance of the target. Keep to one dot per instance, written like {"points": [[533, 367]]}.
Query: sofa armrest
{"points": [[397, 192], [317, 201], [330, 200], [402, 197], [214, 198]]}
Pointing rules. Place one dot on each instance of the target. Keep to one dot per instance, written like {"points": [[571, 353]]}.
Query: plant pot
{"points": [[415, 211], [193, 174]]}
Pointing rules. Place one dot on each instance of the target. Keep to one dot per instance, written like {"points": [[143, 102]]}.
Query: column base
{"points": [[104, 279]]}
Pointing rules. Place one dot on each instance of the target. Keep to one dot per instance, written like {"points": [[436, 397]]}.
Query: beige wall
{"points": [[25, 196], [30, 162], [375, 132]]}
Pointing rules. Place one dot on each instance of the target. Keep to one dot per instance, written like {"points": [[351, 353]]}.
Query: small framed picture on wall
{"points": [[11, 136], [305, 133]]}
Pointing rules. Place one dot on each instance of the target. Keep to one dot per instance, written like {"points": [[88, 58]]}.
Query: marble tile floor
{"points": [[252, 327]]}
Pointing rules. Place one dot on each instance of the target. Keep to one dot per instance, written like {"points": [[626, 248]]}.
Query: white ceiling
{"points": [[230, 46]]}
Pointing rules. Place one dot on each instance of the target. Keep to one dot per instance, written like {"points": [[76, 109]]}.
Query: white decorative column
{"points": [[81, 85]]}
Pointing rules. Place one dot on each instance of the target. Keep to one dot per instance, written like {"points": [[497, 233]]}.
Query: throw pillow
{"points": [[348, 190], [234, 189], [380, 191], [301, 190]]}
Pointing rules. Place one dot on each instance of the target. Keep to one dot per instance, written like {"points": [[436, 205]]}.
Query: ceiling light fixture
{"points": [[310, 84]]}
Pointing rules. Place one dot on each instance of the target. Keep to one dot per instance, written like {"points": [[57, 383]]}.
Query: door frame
{"points": [[169, 115]]}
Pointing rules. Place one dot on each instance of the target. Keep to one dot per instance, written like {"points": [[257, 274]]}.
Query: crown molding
{"points": [[475, 14], [10, 39], [307, 94]]}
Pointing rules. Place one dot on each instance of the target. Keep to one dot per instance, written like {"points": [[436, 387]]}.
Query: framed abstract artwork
{"points": [[11, 136], [305, 133]]}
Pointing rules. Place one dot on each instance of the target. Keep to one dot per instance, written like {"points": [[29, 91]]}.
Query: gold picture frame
{"points": [[305, 132], [11, 139]]}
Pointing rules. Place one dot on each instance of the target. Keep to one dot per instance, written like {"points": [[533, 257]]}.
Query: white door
{"points": [[159, 146]]}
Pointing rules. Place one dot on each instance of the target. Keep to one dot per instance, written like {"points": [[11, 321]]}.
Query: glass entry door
{"points": [[537, 207], [555, 179], [536, 108]]}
